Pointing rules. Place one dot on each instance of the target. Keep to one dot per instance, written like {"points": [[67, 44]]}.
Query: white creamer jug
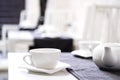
{"points": [[107, 55]]}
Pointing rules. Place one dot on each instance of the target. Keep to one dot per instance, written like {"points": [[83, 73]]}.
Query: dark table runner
{"points": [[87, 69]]}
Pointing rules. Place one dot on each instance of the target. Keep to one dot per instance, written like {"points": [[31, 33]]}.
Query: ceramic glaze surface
{"points": [[107, 55]]}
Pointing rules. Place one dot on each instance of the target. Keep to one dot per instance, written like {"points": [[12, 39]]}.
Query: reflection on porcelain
{"points": [[107, 55]]}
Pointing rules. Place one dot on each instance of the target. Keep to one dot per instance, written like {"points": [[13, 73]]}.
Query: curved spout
{"points": [[107, 58]]}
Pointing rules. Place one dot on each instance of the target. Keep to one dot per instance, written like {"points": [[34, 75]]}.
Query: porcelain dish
{"points": [[60, 66]]}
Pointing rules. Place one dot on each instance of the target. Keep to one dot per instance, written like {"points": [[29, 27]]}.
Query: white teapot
{"points": [[107, 55]]}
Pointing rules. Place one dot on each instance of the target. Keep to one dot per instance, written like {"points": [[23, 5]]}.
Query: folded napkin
{"points": [[85, 69], [89, 74], [70, 70]]}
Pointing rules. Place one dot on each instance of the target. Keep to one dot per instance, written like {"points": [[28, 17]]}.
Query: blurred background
{"points": [[65, 24]]}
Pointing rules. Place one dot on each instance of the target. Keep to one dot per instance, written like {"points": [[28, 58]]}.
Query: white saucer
{"points": [[82, 53], [59, 66]]}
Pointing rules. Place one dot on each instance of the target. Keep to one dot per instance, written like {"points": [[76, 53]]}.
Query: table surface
{"points": [[18, 73], [34, 40], [20, 35], [85, 68]]}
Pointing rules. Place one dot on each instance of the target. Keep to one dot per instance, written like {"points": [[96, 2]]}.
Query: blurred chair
{"points": [[103, 23], [28, 20], [4, 41], [29, 17], [102, 26]]}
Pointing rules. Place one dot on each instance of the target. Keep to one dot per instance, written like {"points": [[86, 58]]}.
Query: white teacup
{"points": [[46, 58]]}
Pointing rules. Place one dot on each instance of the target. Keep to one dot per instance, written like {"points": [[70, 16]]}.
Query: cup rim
{"points": [[38, 50]]}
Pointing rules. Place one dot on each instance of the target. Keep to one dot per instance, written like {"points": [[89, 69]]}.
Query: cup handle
{"points": [[25, 59]]}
